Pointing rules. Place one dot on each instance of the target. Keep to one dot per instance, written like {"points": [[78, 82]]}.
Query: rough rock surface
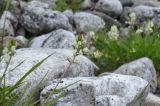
{"points": [[109, 6], [89, 4], [8, 23], [86, 22], [152, 100], [55, 66], [21, 41], [37, 18], [108, 90], [143, 68], [143, 13], [51, 3], [109, 21], [55, 39], [137, 2]]}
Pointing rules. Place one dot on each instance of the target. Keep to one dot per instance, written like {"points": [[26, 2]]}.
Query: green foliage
{"points": [[8, 94], [1, 9], [62, 5], [117, 52]]}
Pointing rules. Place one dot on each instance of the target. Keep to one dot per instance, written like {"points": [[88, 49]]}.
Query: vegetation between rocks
{"points": [[63, 5], [112, 53]]}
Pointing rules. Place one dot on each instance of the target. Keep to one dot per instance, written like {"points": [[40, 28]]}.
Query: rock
{"points": [[69, 14], [54, 66], [88, 4], [126, 2], [21, 41], [51, 3], [109, 21], [37, 18], [110, 90], [55, 39], [14, 6], [140, 2], [8, 23], [86, 22], [20, 31], [109, 6], [143, 68], [152, 100], [143, 13], [154, 3]]}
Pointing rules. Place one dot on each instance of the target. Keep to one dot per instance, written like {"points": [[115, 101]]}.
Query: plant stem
{"points": [[4, 84], [70, 63]]}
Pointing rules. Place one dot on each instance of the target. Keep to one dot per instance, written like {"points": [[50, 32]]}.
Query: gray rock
{"points": [[14, 6], [69, 14], [140, 2], [109, 21], [152, 100], [143, 68], [126, 2], [86, 22], [54, 66], [51, 3], [143, 13], [88, 4], [154, 3], [37, 18], [56, 39], [20, 31], [110, 90], [21, 41], [8, 23], [109, 6]]}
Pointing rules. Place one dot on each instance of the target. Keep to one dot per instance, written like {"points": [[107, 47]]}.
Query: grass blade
{"points": [[19, 82]]}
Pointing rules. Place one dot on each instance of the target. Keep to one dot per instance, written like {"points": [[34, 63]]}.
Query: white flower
{"points": [[132, 18], [139, 31], [91, 33], [148, 28], [85, 50], [98, 54], [113, 33]]}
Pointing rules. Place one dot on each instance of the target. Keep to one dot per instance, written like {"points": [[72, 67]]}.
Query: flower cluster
{"points": [[146, 29], [132, 19], [9, 50], [113, 34], [98, 54], [79, 49]]}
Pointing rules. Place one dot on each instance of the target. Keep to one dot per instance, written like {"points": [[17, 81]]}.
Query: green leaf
{"points": [[19, 82]]}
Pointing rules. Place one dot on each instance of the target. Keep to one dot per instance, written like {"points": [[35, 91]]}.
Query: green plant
{"points": [[113, 53], [78, 50], [62, 5], [8, 94]]}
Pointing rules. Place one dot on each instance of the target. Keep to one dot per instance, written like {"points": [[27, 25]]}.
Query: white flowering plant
{"points": [[113, 34], [112, 50], [146, 29]]}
